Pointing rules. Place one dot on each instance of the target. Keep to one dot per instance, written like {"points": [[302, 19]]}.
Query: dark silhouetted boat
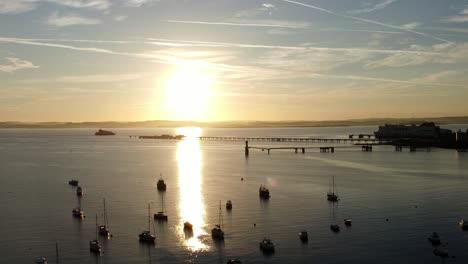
{"points": [[79, 191], [161, 185], [267, 246], [188, 226], [146, 236], [76, 212], [463, 224], [160, 216], [263, 192], [303, 236], [102, 132], [217, 232], [94, 245], [104, 229], [40, 260], [73, 182], [441, 251], [234, 261], [229, 205], [335, 228], [434, 239], [331, 195]]}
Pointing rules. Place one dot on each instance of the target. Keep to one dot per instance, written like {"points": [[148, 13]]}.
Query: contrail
{"points": [[365, 20], [233, 24]]}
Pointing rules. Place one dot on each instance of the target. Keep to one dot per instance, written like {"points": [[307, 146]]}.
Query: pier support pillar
{"points": [[332, 149], [303, 150], [295, 150], [246, 148], [268, 151]]}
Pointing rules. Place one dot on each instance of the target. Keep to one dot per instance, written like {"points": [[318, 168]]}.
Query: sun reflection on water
{"points": [[191, 205]]}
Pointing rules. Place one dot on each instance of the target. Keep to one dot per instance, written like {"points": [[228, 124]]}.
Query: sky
{"points": [[220, 60]]}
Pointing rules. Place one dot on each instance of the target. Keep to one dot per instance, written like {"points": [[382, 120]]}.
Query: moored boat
{"points": [[73, 182], [267, 246], [348, 222], [102, 132], [40, 260], [188, 226], [335, 228], [463, 224], [161, 185], [104, 229], [217, 232], [79, 191], [331, 195], [94, 245], [229, 205], [160, 216], [76, 212], [303, 236], [263, 192], [434, 238], [146, 236]]}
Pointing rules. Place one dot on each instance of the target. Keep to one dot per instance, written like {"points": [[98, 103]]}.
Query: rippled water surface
{"points": [[418, 193]]}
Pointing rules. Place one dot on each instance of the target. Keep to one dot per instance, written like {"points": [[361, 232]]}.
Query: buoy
{"points": [[255, 224], [386, 219], [242, 179]]}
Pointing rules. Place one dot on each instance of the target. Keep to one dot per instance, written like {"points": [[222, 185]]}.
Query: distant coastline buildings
{"points": [[426, 134]]}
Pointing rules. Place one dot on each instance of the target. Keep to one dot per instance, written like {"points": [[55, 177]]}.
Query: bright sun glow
{"points": [[187, 95]]}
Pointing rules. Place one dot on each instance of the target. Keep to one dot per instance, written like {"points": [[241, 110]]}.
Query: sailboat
{"points": [[161, 185], [160, 216], [146, 236], [217, 232], [94, 244], [331, 195], [104, 229]]}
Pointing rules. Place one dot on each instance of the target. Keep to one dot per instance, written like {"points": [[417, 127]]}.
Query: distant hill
{"points": [[238, 124]]}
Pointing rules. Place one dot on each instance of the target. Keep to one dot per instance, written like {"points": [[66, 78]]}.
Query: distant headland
{"points": [[239, 124]]}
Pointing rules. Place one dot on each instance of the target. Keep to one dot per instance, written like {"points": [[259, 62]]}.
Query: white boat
{"points": [[94, 245], [146, 236], [104, 229], [267, 246], [217, 232], [434, 238], [464, 224], [331, 195], [348, 222]]}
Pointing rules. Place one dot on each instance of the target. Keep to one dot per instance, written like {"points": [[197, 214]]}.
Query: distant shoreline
{"points": [[238, 124]]}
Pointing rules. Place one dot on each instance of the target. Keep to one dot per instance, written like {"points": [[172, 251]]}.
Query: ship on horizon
{"points": [[102, 132]]}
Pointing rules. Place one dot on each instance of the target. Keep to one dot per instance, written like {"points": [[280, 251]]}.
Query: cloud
{"points": [[138, 3], [460, 18], [370, 8], [245, 23], [120, 18], [17, 6], [266, 8], [70, 20], [92, 4], [16, 64], [365, 20], [411, 26]]}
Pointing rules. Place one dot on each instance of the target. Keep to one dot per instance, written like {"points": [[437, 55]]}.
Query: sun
{"points": [[187, 95]]}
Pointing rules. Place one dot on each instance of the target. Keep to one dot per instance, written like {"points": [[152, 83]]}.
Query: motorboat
{"points": [[102, 132], [104, 229], [40, 260], [335, 228], [188, 226], [267, 246], [348, 222], [73, 182], [263, 192], [147, 236], [229, 205], [79, 191], [303, 236], [331, 195], [76, 212], [161, 185], [434, 238], [94, 245], [464, 224]]}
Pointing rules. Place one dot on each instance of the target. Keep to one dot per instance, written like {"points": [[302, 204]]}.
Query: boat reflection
{"points": [[191, 205]]}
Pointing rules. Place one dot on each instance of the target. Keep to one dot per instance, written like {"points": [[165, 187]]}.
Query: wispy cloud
{"points": [[92, 4], [94, 78], [411, 26], [364, 20], [265, 8], [237, 24], [17, 6], [70, 20], [372, 7], [15, 64], [460, 18], [138, 3], [120, 18]]}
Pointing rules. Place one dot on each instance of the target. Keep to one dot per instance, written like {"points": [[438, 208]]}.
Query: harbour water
{"points": [[418, 192]]}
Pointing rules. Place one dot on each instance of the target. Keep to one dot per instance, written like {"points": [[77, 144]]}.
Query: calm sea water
{"points": [[417, 192]]}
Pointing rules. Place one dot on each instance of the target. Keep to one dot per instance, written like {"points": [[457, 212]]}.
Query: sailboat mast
{"points": [[105, 215], [149, 225], [96, 229], [333, 185], [219, 214], [56, 252]]}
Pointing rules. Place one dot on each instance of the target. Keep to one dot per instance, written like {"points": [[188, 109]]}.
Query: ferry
{"points": [[102, 132]]}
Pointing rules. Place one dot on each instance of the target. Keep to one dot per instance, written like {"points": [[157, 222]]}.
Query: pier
{"points": [[368, 139]]}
